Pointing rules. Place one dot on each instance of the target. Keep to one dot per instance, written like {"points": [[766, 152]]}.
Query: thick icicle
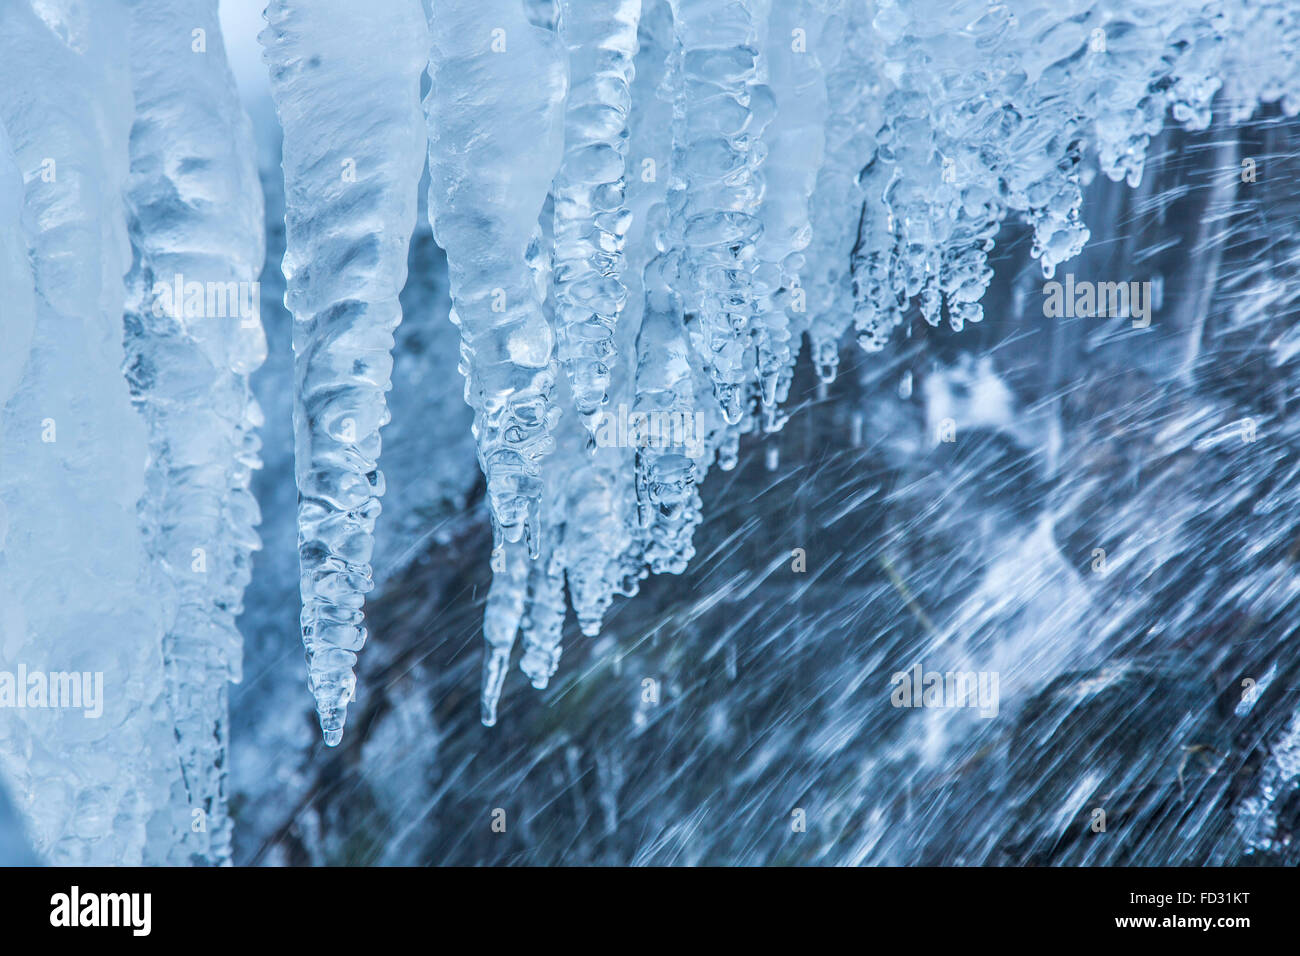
{"points": [[666, 472], [15, 279], [193, 333], [496, 134], [345, 78], [718, 119], [75, 579], [662, 379], [591, 218], [495, 140]]}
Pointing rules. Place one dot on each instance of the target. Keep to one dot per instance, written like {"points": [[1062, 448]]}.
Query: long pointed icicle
{"points": [[716, 191], [590, 215], [195, 208], [496, 136], [345, 77], [851, 124], [795, 141], [502, 617], [669, 502], [590, 224], [543, 622], [495, 140]]}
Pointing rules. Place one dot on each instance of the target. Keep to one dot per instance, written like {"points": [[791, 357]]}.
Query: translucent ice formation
{"points": [[193, 335], [346, 81]]}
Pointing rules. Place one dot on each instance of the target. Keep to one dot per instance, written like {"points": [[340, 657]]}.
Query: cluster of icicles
{"points": [[646, 207]]}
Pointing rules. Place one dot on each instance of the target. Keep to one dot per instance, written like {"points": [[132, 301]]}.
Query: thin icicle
{"points": [[543, 623], [852, 120], [345, 78], [719, 116], [195, 207], [591, 218], [666, 472], [795, 141], [501, 620]]}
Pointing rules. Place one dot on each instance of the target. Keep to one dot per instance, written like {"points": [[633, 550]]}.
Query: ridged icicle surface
{"points": [[346, 81]]}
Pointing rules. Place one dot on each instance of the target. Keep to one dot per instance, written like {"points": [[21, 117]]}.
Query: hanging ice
{"points": [[590, 217], [718, 120], [345, 78], [193, 334], [666, 473], [795, 143], [501, 620], [853, 117], [75, 579], [495, 138]]}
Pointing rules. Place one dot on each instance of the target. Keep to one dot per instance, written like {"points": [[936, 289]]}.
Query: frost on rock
{"points": [[345, 78], [76, 582], [193, 335]]}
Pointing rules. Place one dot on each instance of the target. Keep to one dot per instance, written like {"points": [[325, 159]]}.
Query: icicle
{"points": [[650, 160], [720, 113], [795, 142], [75, 580], [543, 624], [193, 333], [597, 537], [669, 501], [345, 78], [15, 280], [495, 140], [591, 218], [854, 115], [501, 620]]}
